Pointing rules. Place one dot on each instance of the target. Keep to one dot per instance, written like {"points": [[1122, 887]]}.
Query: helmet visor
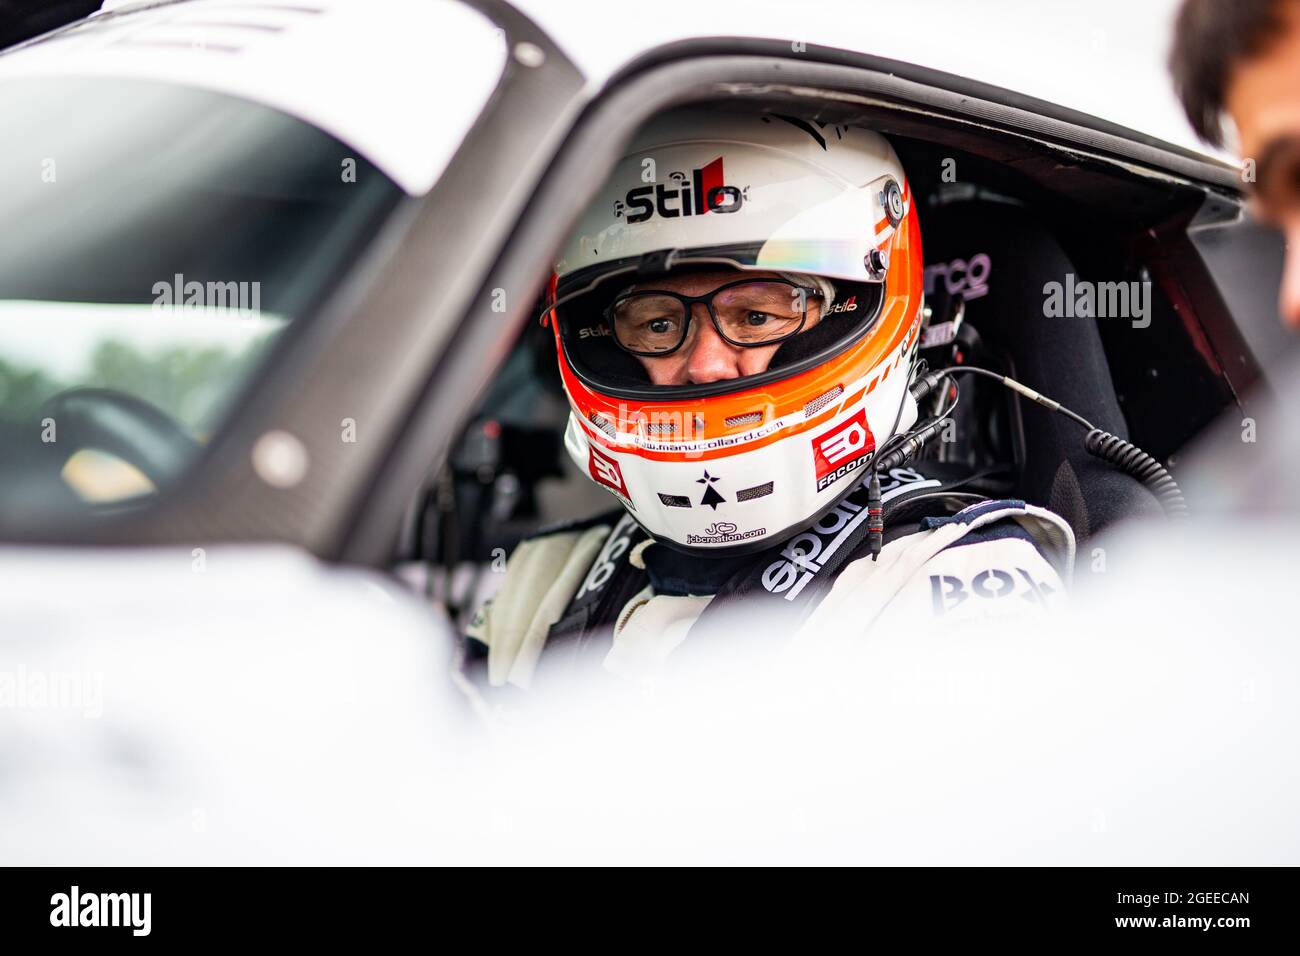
{"points": [[747, 313], [629, 334]]}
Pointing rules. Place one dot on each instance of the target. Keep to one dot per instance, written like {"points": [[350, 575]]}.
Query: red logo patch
{"points": [[838, 451], [606, 472]]}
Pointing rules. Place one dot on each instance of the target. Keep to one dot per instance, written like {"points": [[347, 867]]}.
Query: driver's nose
{"points": [[711, 358]]}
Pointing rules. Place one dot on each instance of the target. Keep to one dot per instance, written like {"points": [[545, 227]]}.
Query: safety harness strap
{"points": [[791, 578], [611, 582]]}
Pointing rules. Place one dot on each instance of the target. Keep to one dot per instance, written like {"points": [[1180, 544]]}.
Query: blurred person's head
{"points": [[1242, 58]]}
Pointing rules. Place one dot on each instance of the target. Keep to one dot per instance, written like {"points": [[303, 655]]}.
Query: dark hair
{"points": [[1210, 38]]}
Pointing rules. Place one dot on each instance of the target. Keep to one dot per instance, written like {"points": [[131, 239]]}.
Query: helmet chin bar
{"points": [[711, 506], [906, 416]]}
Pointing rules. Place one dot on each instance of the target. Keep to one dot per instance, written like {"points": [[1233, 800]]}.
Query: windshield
{"points": [[155, 241], [180, 186]]}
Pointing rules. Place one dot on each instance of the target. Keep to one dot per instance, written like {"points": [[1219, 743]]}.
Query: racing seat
{"points": [[999, 258]]}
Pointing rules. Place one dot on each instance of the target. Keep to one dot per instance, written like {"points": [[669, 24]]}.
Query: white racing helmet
{"points": [[824, 213]]}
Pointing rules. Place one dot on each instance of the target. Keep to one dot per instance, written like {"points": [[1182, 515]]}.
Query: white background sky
{"points": [[1105, 57]]}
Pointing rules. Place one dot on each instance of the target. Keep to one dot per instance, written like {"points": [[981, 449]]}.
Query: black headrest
{"points": [[999, 257]]}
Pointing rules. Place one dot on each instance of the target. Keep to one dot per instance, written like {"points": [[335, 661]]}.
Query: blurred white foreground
{"points": [[267, 709]]}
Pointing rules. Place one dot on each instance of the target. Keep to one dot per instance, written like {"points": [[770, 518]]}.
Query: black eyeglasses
{"points": [[748, 313]]}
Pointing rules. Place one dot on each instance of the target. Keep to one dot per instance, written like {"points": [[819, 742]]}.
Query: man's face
{"points": [[1263, 98], [706, 356]]}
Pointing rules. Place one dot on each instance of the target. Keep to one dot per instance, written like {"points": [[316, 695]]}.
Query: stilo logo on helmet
{"points": [[706, 191]]}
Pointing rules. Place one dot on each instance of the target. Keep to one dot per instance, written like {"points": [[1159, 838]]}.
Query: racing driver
{"points": [[737, 318]]}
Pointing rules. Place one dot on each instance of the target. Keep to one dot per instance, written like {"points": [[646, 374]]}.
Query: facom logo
{"points": [[839, 451], [705, 190]]}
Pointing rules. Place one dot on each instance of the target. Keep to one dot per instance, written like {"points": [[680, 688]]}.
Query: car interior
{"points": [[1002, 215]]}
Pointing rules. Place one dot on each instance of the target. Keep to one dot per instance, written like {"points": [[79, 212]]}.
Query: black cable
{"points": [[901, 448], [875, 508], [1132, 460], [892, 453], [934, 377], [1113, 450]]}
